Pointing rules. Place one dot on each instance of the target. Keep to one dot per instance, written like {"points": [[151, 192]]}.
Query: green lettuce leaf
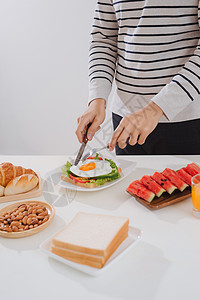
{"points": [[66, 169], [114, 174], [97, 156]]}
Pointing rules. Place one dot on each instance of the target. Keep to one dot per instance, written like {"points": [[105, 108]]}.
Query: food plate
{"points": [[14, 235], [133, 238], [36, 192], [54, 176], [164, 200]]}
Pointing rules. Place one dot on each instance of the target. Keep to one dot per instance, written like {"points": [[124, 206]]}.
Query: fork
{"points": [[93, 151]]}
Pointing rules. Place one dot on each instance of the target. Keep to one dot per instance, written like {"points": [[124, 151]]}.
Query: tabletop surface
{"points": [[165, 264]]}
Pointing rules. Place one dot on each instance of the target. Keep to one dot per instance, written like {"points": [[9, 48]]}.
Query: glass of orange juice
{"points": [[196, 195]]}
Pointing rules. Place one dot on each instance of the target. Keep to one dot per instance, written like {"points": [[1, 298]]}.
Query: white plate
{"points": [[55, 176], [133, 238]]}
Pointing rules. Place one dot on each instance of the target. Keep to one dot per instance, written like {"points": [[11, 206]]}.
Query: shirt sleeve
{"points": [[102, 51], [184, 87]]}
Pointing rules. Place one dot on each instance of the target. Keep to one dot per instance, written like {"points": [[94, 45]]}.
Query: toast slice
{"points": [[96, 261], [92, 233], [70, 180]]}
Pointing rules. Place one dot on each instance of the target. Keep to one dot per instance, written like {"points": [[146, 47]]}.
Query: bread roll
{"points": [[8, 172], [21, 184], [1, 190]]}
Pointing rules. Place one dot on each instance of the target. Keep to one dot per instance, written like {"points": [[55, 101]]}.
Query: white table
{"points": [[165, 264]]}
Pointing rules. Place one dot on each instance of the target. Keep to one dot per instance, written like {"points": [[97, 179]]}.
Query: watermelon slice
{"points": [[164, 182], [192, 169], [152, 185], [140, 190], [186, 177], [172, 176]]}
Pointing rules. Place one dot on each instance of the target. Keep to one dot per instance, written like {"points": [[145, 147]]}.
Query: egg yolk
{"points": [[88, 167]]}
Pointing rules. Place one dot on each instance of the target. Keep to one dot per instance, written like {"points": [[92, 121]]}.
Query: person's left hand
{"points": [[136, 126]]}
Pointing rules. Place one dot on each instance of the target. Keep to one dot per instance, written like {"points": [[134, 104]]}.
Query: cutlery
{"points": [[93, 151], [82, 148]]}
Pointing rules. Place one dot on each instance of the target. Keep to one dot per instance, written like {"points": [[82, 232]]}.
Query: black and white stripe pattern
{"points": [[150, 47]]}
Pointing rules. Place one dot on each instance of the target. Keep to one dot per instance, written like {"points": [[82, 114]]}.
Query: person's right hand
{"points": [[95, 114]]}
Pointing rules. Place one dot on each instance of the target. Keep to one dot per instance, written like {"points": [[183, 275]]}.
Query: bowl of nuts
{"points": [[25, 218]]}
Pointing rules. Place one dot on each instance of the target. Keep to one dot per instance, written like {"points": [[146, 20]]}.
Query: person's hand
{"points": [[136, 127], [95, 114]]}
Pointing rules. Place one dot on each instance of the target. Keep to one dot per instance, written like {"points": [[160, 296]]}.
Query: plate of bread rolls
{"points": [[18, 183]]}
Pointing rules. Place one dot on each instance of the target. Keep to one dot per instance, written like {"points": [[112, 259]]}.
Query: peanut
{"points": [[40, 217], [15, 229], [22, 206], [8, 229], [44, 213], [30, 210], [21, 226], [35, 221], [22, 209], [24, 221], [19, 217], [29, 220], [34, 211], [32, 216], [15, 223], [45, 219]]}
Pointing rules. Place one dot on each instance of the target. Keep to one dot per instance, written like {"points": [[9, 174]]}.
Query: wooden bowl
{"points": [[14, 235]]}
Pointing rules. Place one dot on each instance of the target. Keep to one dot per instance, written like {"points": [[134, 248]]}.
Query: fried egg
{"points": [[91, 168]]}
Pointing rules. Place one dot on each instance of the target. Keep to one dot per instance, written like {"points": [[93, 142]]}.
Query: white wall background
{"points": [[43, 74]]}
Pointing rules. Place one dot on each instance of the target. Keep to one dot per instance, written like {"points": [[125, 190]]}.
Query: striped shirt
{"points": [[151, 49]]}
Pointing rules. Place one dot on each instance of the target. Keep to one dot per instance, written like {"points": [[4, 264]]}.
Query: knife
{"points": [[82, 148]]}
